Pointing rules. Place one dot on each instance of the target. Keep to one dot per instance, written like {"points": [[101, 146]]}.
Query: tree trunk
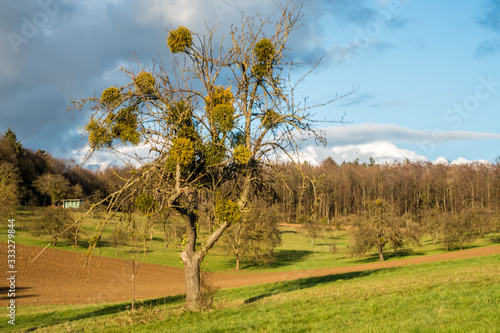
{"points": [[192, 276], [237, 262], [380, 252], [133, 284]]}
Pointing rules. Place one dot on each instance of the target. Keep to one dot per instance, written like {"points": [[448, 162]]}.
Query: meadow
{"points": [[330, 247], [461, 295]]}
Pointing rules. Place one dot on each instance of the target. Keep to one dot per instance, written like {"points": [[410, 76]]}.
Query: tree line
{"points": [[394, 203]]}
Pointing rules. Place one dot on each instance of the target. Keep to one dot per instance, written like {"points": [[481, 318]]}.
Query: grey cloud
{"points": [[389, 104], [76, 51], [370, 132]]}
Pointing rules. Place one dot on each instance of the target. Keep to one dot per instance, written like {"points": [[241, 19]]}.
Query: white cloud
{"points": [[441, 160], [464, 161], [380, 151], [379, 141], [102, 159]]}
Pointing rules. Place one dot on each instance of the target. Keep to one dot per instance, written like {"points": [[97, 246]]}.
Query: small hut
{"points": [[71, 203]]}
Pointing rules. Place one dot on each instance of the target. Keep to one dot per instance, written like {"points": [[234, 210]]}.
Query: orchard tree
{"points": [[211, 123], [56, 222], [255, 235], [379, 226], [54, 185]]}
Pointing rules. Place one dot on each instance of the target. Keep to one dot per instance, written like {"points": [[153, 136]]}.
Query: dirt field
{"points": [[59, 277]]}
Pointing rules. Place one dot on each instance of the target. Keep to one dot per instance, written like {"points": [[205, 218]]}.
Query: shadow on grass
{"points": [[44, 320], [281, 258], [288, 257], [288, 286], [403, 253], [495, 239]]}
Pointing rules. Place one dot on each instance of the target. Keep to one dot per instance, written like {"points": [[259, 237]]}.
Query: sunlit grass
{"points": [[461, 295]]}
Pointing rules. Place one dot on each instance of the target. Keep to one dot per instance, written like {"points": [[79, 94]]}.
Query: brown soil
{"points": [[59, 277]]}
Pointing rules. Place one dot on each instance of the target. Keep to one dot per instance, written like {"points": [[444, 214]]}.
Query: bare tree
{"points": [[53, 185], [210, 123], [255, 236], [380, 226]]}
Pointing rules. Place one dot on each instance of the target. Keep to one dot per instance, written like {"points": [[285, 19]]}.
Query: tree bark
{"points": [[192, 276]]}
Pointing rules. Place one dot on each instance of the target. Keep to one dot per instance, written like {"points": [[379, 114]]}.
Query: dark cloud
{"points": [[371, 132], [53, 50]]}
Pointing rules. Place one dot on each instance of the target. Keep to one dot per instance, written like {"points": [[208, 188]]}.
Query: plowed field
{"points": [[60, 277]]}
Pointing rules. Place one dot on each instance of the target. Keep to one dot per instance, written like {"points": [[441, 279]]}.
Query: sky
{"points": [[423, 76]]}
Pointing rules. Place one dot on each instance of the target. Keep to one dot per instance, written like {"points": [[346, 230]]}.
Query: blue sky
{"points": [[426, 72]]}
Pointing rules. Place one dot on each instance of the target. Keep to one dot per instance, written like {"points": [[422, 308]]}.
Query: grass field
{"points": [[461, 295], [295, 253]]}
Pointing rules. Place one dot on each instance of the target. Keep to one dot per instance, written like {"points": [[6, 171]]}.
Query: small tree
{"points": [[56, 222], [255, 236], [119, 237], [380, 226], [464, 227], [311, 226]]}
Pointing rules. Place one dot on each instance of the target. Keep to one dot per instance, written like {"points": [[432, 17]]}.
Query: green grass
{"points": [[295, 253], [461, 295]]}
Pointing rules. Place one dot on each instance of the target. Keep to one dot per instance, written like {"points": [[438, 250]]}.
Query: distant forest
{"points": [[328, 193]]}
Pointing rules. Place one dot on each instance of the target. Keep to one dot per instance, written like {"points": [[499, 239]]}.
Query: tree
{"points": [[54, 185], [311, 226], [255, 236], [211, 123], [56, 222], [9, 189], [465, 227], [16, 144], [380, 226]]}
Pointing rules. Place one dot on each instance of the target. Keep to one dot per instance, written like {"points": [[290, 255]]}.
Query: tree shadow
{"points": [[106, 310], [288, 257], [299, 284], [19, 293], [495, 239], [403, 253]]}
